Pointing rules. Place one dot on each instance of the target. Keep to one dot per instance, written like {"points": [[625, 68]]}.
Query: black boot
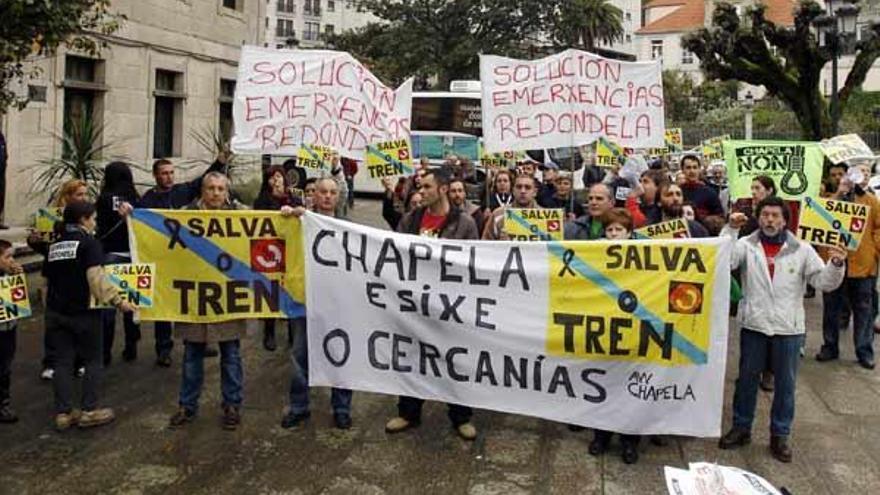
{"points": [[736, 437], [269, 339], [600, 442], [630, 453], [7, 415], [779, 448]]}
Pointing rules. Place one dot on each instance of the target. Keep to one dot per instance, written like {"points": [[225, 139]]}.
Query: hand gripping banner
{"points": [[220, 265], [624, 336]]}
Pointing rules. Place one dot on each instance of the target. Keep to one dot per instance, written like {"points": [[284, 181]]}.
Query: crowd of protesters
{"points": [[456, 201]]}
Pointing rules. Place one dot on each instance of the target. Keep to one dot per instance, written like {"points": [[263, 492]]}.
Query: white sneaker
{"points": [[47, 374], [80, 372]]}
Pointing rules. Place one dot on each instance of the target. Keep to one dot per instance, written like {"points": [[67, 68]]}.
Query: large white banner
{"points": [[570, 99], [629, 337], [286, 98]]}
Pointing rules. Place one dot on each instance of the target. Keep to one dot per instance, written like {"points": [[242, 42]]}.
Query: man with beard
{"points": [[458, 199], [439, 219], [672, 207], [858, 286], [525, 189], [771, 316]]}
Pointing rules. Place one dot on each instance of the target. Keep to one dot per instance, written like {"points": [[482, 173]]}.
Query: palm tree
{"points": [[587, 23]]}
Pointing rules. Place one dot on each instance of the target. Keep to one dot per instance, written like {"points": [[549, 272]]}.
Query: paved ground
{"points": [[836, 438]]}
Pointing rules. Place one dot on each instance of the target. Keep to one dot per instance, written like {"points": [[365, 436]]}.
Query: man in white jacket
{"points": [[775, 268]]}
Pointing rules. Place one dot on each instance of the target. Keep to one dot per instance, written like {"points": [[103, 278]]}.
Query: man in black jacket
{"points": [[170, 196], [436, 218]]}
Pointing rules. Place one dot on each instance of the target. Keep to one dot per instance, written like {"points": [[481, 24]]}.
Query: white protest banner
{"points": [[624, 336], [287, 98], [570, 99], [839, 149]]}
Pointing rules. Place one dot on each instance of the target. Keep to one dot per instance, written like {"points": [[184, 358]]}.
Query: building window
{"points": [[629, 16], [329, 29], [287, 6], [687, 57], [656, 49], [313, 29], [233, 4], [227, 96], [83, 92], [331, 6], [312, 7], [284, 29], [168, 117], [629, 38], [37, 93]]}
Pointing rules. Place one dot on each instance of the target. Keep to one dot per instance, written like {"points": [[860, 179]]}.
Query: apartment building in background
{"points": [[169, 71], [304, 23], [667, 21]]}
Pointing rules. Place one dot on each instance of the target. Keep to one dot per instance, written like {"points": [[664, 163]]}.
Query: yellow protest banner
{"points": [[389, 159], [674, 140], [646, 301], [220, 265], [14, 300], [506, 159], [829, 222], [608, 153], [712, 149], [134, 282], [315, 157], [44, 222], [534, 224], [673, 229]]}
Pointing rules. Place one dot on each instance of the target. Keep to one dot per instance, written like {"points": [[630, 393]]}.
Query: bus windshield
{"points": [[444, 124]]}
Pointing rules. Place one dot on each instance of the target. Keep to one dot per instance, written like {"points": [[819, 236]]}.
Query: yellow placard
{"points": [[507, 159], [44, 222], [14, 300], [829, 222], [389, 159], [608, 153], [133, 281], [534, 224], [315, 157], [648, 302], [712, 149], [673, 229], [674, 140], [220, 265]]}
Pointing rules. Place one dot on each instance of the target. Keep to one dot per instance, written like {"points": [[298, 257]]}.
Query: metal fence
{"points": [[693, 136]]}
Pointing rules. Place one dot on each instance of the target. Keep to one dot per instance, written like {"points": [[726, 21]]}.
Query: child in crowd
{"points": [[8, 333], [618, 225]]}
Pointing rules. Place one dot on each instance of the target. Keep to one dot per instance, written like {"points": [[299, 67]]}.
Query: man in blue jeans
{"points": [[857, 290], [775, 268], [326, 199]]}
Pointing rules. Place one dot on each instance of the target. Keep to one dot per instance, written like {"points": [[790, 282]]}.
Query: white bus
{"points": [[442, 123], [447, 123]]}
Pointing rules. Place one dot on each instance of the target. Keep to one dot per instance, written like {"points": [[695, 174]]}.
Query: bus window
{"points": [[447, 114]]}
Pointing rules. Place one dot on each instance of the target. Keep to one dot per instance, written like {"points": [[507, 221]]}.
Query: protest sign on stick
{"points": [[315, 157], [795, 167], [45, 220], [570, 99], [389, 159], [839, 149], [829, 222], [133, 282], [673, 229], [534, 224], [14, 300], [287, 98]]}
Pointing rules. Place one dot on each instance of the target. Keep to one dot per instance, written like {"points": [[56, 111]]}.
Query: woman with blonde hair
{"points": [[71, 191]]}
